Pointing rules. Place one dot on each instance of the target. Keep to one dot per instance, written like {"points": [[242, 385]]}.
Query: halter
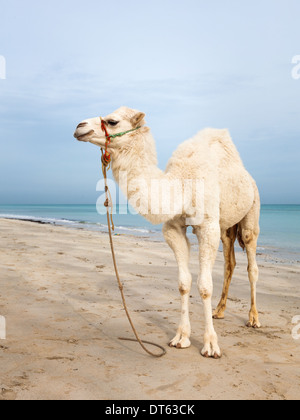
{"points": [[106, 158]]}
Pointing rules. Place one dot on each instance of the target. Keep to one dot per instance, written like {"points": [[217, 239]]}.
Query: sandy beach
{"points": [[64, 315]]}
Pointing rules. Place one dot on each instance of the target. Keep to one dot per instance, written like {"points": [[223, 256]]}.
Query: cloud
{"points": [[58, 91]]}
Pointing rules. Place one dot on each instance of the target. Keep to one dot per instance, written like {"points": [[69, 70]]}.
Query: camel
{"points": [[231, 204]]}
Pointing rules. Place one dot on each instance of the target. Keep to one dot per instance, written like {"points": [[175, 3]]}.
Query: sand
{"points": [[64, 315]]}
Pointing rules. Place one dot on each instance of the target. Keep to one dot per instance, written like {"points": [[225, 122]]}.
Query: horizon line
{"points": [[95, 204]]}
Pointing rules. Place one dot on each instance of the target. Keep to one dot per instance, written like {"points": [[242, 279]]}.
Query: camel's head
{"points": [[122, 120]]}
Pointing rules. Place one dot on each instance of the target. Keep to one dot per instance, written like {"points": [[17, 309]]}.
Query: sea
{"points": [[279, 239]]}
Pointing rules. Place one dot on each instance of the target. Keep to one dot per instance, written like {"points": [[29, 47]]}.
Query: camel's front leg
{"points": [[209, 240], [175, 236]]}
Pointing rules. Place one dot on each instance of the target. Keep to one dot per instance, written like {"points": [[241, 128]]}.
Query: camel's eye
{"points": [[112, 123]]}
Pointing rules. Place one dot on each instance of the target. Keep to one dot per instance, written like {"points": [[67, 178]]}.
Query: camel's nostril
{"points": [[82, 125]]}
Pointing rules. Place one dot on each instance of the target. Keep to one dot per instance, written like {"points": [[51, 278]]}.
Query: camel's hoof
{"points": [[254, 325], [184, 343], [218, 316], [219, 312], [215, 356]]}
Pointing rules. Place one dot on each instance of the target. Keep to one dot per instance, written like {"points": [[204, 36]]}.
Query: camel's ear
{"points": [[137, 119]]}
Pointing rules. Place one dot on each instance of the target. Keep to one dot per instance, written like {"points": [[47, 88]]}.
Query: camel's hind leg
{"points": [[175, 236], [228, 239], [249, 231]]}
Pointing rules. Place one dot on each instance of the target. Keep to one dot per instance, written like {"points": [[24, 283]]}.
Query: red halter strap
{"points": [[106, 158]]}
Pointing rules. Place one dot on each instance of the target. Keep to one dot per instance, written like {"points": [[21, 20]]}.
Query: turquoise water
{"points": [[280, 224], [77, 216], [280, 227]]}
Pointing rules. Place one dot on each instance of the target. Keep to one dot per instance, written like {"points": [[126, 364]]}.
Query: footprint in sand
{"points": [[7, 394], [82, 259]]}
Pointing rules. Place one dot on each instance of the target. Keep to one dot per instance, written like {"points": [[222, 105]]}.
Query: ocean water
{"points": [[280, 230], [81, 216], [280, 224]]}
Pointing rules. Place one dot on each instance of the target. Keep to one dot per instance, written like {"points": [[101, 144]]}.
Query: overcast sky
{"points": [[188, 65]]}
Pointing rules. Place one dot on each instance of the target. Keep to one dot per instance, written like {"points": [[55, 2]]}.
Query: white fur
{"points": [[230, 198]]}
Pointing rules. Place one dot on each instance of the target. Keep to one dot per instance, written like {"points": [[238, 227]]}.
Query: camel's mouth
{"points": [[82, 137]]}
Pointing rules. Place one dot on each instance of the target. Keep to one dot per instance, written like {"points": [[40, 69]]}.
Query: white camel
{"points": [[231, 206]]}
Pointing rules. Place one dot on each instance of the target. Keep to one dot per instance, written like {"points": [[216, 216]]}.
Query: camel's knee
{"points": [[205, 290], [253, 272], [247, 236], [205, 285], [185, 283], [184, 290], [232, 266], [205, 293]]}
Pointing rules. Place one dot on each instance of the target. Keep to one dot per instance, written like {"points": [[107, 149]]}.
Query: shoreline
{"points": [[265, 253]]}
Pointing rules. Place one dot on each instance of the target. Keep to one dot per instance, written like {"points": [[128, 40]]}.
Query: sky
{"points": [[187, 65]]}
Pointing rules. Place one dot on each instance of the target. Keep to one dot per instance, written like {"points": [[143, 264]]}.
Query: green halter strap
{"points": [[113, 136]]}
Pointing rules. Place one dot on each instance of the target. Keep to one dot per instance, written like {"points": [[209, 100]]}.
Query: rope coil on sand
{"points": [[106, 160]]}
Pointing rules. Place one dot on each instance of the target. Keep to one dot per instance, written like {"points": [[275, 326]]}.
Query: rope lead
{"points": [[109, 204]]}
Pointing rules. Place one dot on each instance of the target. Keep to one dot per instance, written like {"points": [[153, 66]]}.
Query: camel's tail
{"points": [[240, 239], [234, 233]]}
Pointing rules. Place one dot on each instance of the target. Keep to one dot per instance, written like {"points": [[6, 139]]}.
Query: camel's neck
{"points": [[139, 159], [135, 169]]}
